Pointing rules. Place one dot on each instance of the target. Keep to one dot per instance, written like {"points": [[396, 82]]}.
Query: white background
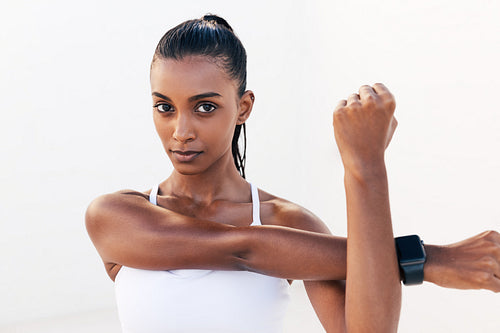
{"points": [[75, 122]]}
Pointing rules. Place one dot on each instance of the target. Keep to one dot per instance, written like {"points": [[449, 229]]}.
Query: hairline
{"points": [[217, 61]]}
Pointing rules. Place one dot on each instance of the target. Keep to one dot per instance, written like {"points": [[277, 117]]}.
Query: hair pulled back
{"points": [[213, 37]]}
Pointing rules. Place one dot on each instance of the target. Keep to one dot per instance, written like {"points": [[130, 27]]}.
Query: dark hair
{"points": [[213, 37]]}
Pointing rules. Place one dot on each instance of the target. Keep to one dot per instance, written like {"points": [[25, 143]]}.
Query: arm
{"points": [[469, 264], [127, 230], [373, 288], [364, 125]]}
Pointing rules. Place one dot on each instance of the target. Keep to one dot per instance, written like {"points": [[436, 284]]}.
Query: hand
{"points": [[473, 263], [364, 125]]}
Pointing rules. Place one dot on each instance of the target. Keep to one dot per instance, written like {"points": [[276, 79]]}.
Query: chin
{"points": [[187, 172], [187, 169]]}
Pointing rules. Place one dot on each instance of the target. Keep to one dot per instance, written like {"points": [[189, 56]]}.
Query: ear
{"points": [[246, 105]]}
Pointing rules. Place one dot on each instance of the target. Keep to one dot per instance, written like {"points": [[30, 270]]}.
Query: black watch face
{"points": [[410, 250]]}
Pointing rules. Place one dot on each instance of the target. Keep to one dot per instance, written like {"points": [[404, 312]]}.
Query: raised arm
{"points": [[364, 125]]}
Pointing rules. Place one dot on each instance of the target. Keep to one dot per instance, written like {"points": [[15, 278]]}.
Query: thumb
{"points": [[390, 131]]}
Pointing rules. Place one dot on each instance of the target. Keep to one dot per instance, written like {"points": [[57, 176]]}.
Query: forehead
{"points": [[190, 76]]}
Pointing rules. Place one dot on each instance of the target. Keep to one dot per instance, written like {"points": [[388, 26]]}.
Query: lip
{"points": [[185, 155]]}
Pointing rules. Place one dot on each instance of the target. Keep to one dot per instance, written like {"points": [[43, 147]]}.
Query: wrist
{"points": [[433, 264], [412, 258], [366, 171]]}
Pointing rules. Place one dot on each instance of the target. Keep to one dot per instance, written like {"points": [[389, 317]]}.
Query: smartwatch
{"points": [[411, 258]]}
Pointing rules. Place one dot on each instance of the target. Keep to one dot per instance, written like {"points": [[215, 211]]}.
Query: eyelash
{"points": [[212, 108], [160, 105]]}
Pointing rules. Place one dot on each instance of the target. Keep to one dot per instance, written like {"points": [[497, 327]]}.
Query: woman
{"points": [[207, 251]]}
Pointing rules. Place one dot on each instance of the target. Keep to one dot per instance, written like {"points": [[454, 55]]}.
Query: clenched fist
{"points": [[364, 125], [473, 263]]}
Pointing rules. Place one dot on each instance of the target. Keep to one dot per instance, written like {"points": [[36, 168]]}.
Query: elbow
{"points": [[241, 261], [377, 313], [93, 218], [240, 249]]}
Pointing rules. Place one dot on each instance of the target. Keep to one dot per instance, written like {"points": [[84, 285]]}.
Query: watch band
{"points": [[413, 274], [411, 259]]}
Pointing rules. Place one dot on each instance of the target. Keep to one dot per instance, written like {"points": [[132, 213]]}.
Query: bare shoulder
{"points": [[110, 208], [112, 202], [279, 211], [109, 219]]}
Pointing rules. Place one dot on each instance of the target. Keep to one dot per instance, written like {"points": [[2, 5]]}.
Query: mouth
{"points": [[185, 156]]}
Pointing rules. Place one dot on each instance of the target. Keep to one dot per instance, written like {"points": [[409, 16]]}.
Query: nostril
{"points": [[183, 134]]}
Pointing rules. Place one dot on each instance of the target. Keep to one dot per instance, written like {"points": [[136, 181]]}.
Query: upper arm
{"points": [[127, 230], [326, 297]]}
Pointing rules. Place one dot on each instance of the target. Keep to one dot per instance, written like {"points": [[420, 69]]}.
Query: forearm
{"points": [[293, 254], [271, 250], [373, 289]]}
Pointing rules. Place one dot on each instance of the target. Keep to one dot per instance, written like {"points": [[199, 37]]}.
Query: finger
{"points": [[381, 89], [495, 284], [393, 125], [492, 235], [341, 104], [496, 272], [493, 238], [496, 256], [492, 265], [353, 99], [387, 98], [366, 93]]}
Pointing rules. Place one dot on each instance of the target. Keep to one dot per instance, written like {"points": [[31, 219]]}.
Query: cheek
{"points": [[223, 132], [161, 127]]}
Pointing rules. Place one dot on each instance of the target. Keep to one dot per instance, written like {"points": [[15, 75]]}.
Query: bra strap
{"points": [[153, 194], [255, 205]]}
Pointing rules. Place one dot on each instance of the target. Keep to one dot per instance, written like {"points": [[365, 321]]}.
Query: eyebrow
{"points": [[191, 99]]}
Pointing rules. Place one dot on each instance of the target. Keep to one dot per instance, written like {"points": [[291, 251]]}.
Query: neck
{"points": [[221, 181]]}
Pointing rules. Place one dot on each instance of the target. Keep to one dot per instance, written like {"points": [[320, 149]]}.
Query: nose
{"points": [[184, 130]]}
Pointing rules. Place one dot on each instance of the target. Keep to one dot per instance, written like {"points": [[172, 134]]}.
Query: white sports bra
{"points": [[194, 300]]}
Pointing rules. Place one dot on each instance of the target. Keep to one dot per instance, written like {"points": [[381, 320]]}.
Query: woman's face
{"points": [[195, 110]]}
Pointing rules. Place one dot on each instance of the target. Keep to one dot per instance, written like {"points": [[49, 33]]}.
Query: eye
{"points": [[205, 108], [163, 107]]}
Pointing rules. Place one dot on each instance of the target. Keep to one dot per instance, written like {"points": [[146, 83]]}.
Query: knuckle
{"points": [[495, 250], [355, 105], [492, 234], [340, 106], [364, 87], [370, 100], [390, 102], [489, 263], [338, 114], [482, 278]]}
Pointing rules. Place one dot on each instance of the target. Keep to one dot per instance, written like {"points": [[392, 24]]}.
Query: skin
{"points": [[364, 125], [206, 203]]}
